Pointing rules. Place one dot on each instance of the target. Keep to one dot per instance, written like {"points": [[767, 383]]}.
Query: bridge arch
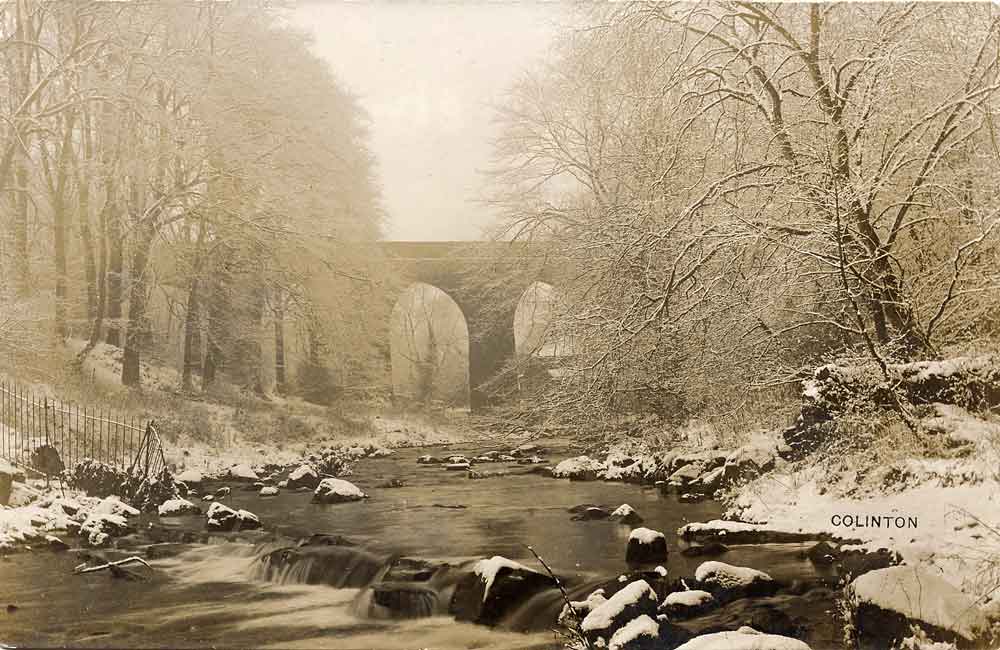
{"points": [[429, 347], [481, 279]]}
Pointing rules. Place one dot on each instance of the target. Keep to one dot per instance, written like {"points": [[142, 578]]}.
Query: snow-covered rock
{"points": [[268, 491], [100, 527], [684, 604], [646, 546], [576, 610], [221, 517], [495, 587], [22, 494], [248, 520], [303, 476], [632, 473], [744, 638], [177, 508], [208, 497], [242, 472], [739, 532], [457, 467], [727, 582], [114, 506], [590, 513], [581, 468], [887, 602], [626, 514], [632, 601], [641, 633], [335, 490], [29, 524]]}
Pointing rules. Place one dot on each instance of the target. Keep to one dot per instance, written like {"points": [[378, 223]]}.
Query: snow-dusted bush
{"points": [[95, 478]]}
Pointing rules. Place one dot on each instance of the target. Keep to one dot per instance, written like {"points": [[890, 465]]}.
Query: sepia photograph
{"points": [[499, 325]]}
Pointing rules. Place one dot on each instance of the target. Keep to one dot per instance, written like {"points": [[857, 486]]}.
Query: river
{"points": [[216, 594]]}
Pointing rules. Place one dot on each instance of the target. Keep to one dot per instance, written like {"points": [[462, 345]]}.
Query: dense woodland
{"points": [[196, 151], [733, 194], [724, 196]]}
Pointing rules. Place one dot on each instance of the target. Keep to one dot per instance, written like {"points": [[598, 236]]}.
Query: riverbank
{"points": [[926, 498]]}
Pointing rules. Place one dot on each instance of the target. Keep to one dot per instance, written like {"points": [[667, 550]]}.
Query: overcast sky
{"points": [[426, 73]]}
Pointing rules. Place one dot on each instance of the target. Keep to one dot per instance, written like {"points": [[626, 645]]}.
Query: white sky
{"points": [[426, 73]]}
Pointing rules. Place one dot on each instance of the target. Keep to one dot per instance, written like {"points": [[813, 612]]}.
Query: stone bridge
{"points": [[476, 275]]}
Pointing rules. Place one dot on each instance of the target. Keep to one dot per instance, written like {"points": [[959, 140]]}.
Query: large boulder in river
{"points": [[727, 582], [242, 472], [581, 468], [887, 603], [99, 528], [593, 513], [646, 546], [646, 633], [303, 476], [685, 604], [635, 600], [221, 517], [627, 515], [335, 490], [745, 638], [494, 588]]}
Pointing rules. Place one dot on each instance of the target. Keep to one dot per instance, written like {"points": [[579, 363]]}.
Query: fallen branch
{"points": [[83, 568]]}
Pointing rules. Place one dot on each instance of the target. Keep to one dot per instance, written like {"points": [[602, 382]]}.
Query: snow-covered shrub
{"points": [[149, 493], [335, 461], [95, 478]]}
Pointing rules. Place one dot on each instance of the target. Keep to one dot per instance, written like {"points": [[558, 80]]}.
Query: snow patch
{"points": [[729, 576], [487, 570], [602, 617], [743, 639], [637, 627], [689, 598], [645, 535]]}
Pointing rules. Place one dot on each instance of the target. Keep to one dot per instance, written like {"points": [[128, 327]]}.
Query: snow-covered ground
{"points": [[35, 512], [950, 505]]}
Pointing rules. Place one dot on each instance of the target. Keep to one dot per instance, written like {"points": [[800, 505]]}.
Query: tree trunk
{"points": [[279, 352], [87, 242], [59, 224], [214, 359], [192, 336], [116, 265], [22, 263], [86, 235], [136, 326], [102, 271]]}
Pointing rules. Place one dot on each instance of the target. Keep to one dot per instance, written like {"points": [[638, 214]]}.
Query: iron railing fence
{"points": [[32, 425]]}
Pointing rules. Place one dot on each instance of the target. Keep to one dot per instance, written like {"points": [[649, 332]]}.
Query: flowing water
{"points": [[239, 590]]}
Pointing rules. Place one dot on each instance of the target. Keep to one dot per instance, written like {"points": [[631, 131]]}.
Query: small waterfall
{"points": [[397, 600], [541, 611], [336, 566], [391, 587]]}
